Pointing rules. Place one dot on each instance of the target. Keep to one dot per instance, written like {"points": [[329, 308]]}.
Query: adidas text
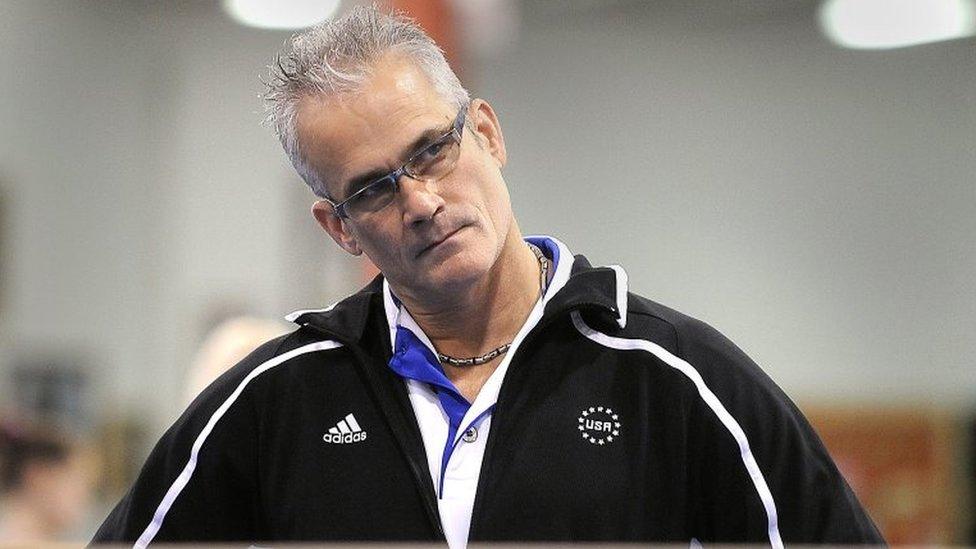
{"points": [[346, 431], [344, 438]]}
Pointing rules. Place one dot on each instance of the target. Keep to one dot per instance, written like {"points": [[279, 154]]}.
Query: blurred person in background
{"points": [[486, 386], [225, 346], [46, 483]]}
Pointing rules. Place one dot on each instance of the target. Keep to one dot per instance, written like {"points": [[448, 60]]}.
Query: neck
{"points": [[487, 313]]}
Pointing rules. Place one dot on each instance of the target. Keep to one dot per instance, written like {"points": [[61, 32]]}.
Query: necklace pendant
{"points": [[475, 360]]}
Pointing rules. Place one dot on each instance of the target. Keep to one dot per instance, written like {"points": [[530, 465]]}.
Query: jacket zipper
{"points": [[502, 394]]}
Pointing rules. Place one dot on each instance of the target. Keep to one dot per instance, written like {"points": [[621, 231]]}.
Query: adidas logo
{"points": [[345, 432]]}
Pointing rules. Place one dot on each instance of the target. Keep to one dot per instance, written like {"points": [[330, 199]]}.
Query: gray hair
{"points": [[336, 57]]}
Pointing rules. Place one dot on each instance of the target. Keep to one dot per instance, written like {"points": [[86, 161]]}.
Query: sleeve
{"points": [[200, 481], [765, 476]]}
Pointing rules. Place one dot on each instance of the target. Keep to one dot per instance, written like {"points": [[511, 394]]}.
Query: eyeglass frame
{"points": [[457, 130]]}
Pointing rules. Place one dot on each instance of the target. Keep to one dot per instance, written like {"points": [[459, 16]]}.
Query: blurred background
{"points": [[800, 174]]}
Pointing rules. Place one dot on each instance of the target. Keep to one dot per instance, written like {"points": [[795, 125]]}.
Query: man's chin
{"points": [[453, 277], [454, 274]]}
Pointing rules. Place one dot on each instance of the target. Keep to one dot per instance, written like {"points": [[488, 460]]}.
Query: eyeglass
{"points": [[430, 164]]}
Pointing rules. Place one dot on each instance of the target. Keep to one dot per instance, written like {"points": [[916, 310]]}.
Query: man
{"points": [[486, 386]]}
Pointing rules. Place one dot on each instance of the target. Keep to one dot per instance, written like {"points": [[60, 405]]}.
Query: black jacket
{"points": [[658, 430]]}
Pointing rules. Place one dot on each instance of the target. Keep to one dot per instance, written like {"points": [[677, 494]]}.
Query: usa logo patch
{"points": [[599, 425]]}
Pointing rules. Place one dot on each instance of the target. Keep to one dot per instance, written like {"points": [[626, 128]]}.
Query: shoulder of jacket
{"points": [[657, 323], [687, 337]]}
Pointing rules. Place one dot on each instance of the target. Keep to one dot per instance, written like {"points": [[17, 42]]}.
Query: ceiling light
{"points": [[884, 24], [280, 14]]}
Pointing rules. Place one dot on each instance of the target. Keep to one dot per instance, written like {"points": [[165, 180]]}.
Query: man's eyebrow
{"points": [[426, 137]]}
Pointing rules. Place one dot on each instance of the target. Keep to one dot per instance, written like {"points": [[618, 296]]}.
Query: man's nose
{"points": [[419, 200]]}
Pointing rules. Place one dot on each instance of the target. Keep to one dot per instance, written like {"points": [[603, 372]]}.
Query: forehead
{"points": [[346, 135]]}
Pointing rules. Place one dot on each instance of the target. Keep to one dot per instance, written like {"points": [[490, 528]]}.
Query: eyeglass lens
{"points": [[434, 162]]}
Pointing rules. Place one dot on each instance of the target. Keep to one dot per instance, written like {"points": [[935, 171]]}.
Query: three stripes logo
{"points": [[345, 432]]}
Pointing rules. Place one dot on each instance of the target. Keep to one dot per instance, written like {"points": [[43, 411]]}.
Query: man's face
{"points": [[434, 236]]}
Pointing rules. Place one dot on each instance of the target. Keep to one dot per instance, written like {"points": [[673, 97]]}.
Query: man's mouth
{"points": [[439, 241]]}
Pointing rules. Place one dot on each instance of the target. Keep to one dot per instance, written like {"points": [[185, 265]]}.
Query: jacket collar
{"points": [[345, 319], [599, 292]]}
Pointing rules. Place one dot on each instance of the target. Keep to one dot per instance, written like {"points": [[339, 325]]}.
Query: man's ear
{"points": [[485, 124], [335, 226]]}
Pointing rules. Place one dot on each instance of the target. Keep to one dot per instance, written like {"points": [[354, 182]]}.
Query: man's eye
{"points": [[431, 152], [430, 159], [372, 192]]}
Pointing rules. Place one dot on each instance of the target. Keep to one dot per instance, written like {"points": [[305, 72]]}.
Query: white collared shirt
{"points": [[457, 482]]}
